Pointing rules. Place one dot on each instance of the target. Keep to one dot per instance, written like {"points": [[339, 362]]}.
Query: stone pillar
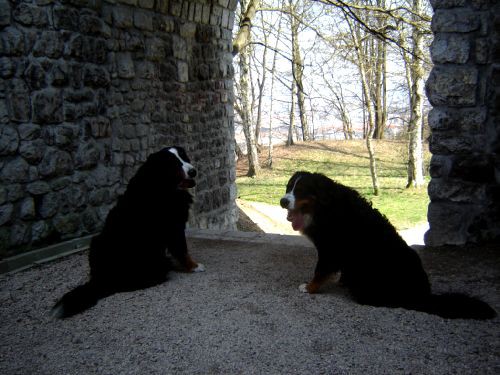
{"points": [[464, 90], [89, 89]]}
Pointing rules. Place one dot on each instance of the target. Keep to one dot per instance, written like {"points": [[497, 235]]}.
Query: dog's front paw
{"points": [[199, 268], [303, 288]]}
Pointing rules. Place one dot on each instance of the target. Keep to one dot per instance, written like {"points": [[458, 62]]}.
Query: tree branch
{"points": [[243, 35]]}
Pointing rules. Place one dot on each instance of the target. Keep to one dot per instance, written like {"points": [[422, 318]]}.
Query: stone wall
{"points": [[89, 88], [464, 89]]}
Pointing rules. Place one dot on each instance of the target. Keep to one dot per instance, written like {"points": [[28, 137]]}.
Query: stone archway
{"points": [[90, 88], [464, 89]]}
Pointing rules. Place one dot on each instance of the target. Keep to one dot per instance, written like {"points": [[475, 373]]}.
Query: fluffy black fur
{"points": [[148, 218], [376, 264]]}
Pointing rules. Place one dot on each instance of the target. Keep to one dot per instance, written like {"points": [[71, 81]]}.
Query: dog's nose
{"points": [[284, 202], [192, 173]]}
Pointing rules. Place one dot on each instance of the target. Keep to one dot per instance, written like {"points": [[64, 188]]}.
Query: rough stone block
{"points": [[456, 190], [38, 188], [49, 44], [449, 144], [4, 13], [11, 42], [450, 48], [55, 163], [67, 223], [20, 234], [65, 18], [122, 17], [473, 168], [453, 86], [47, 107], [440, 166], [96, 76], [27, 209], [32, 151], [35, 76], [92, 25], [482, 51], [162, 6], [457, 20], [143, 20], [87, 156], [205, 17], [6, 211], [183, 71], [7, 67], [146, 4], [9, 140], [443, 4], [156, 49], [448, 223], [39, 231], [175, 7], [30, 15], [468, 120], [15, 171], [125, 65], [48, 205]]}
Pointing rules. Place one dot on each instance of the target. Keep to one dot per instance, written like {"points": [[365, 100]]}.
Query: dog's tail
{"points": [[77, 300], [457, 306]]}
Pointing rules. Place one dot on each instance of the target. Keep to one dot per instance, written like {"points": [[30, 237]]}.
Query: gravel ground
{"points": [[245, 315]]}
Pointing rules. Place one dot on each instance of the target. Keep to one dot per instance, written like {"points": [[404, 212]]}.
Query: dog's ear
{"points": [[322, 190]]}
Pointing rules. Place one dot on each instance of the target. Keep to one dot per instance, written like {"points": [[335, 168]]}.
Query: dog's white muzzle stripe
{"points": [[185, 166], [290, 197]]}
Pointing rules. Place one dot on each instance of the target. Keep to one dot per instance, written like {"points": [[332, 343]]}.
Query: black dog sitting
{"points": [[376, 264], [148, 218]]}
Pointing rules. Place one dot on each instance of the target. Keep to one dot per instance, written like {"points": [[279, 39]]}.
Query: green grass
{"points": [[346, 162]]}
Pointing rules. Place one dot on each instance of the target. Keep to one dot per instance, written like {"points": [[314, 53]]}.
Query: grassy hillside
{"points": [[346, 162]]}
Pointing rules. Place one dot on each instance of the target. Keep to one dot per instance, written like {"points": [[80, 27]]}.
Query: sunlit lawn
{"points": [[346, 162]]}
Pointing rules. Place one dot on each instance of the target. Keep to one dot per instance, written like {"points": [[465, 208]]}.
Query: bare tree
{"points": [[414, 64], [341, 107], [337, 102], [363, 68], [273, 74], [380, 81], [242, 38], [291, 129], [241, 45], [298, 67], [390, 20]]}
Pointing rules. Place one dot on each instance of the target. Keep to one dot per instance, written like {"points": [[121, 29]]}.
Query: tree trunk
{"points": [[261, 86], [380, 88], [356, 35], [291, 128], [246, 110], [247, 14], [297, 72], [273, 71], [240, 46], [415, 158]]}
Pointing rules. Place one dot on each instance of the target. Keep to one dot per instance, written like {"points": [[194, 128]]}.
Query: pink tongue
{"points": [[297, 220]]}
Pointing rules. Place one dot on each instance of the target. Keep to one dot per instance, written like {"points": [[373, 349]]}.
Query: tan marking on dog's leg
{"points": [[191, 266], [317, 281]]}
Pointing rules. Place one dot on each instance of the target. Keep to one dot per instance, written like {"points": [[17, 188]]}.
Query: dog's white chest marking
{"points": [[186, 167], [291, 197]]}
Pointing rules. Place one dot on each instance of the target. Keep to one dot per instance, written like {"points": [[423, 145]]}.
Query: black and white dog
{"points": [[375, 263], [150, 217]]}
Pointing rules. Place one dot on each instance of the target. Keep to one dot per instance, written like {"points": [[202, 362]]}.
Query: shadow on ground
{"points": [[245, 315]]}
